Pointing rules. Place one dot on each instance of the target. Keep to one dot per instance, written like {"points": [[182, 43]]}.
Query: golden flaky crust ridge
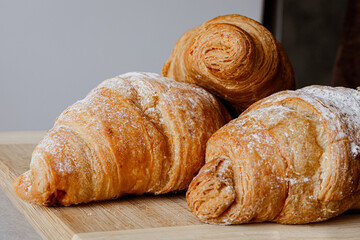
{"points": [[234, 57], [291, 158], [133, 134]]}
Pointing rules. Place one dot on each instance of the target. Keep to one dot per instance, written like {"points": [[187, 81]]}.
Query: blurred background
{"points": [[52, 53]]}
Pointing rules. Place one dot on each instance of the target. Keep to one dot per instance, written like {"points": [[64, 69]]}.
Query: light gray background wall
{"points": [[54, 52]]}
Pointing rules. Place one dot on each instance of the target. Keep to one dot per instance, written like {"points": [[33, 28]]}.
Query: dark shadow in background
{"points": [[311, 33]]}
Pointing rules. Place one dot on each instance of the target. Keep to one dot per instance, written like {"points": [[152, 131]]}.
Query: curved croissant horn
{"points": [[234, 57]]}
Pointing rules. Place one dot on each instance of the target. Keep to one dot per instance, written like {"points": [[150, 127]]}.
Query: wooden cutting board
{"points": [[142, 217]]}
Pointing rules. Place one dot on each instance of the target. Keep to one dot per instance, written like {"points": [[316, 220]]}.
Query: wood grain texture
{"points": [[343, 227], [145, 217]]}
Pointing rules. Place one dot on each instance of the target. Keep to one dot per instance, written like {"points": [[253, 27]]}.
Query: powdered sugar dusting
{"points": [[326, 114], [345, 104], [145, 76], [355, 149]]}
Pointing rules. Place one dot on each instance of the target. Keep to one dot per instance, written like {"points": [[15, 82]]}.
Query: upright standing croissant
{"points": [[133, 134], [233, 57], [293, 157]]}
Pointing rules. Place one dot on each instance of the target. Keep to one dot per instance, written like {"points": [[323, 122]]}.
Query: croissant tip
{"points": [[22, 185], [212, 192], [24, 188]]}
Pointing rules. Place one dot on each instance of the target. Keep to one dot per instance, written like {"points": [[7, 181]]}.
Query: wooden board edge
{"points": [[33, 213], [239, 232], [27, 137]]}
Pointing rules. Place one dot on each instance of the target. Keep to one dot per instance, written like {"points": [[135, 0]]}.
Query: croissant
{"points": [[291, 158], [133, 134], [233, 57]]}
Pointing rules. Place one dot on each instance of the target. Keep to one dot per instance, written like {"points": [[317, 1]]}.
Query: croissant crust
{"points": [[291, 158], [133, 134], [233, 57]]}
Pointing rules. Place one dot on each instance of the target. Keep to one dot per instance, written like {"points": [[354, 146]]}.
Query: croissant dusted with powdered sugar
{"points": [[133, 134], [233, 57], [291, 158]]}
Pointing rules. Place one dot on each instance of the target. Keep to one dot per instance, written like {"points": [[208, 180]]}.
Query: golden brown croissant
{"points": [[233, 57], [291, 158], [133, 134]]}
